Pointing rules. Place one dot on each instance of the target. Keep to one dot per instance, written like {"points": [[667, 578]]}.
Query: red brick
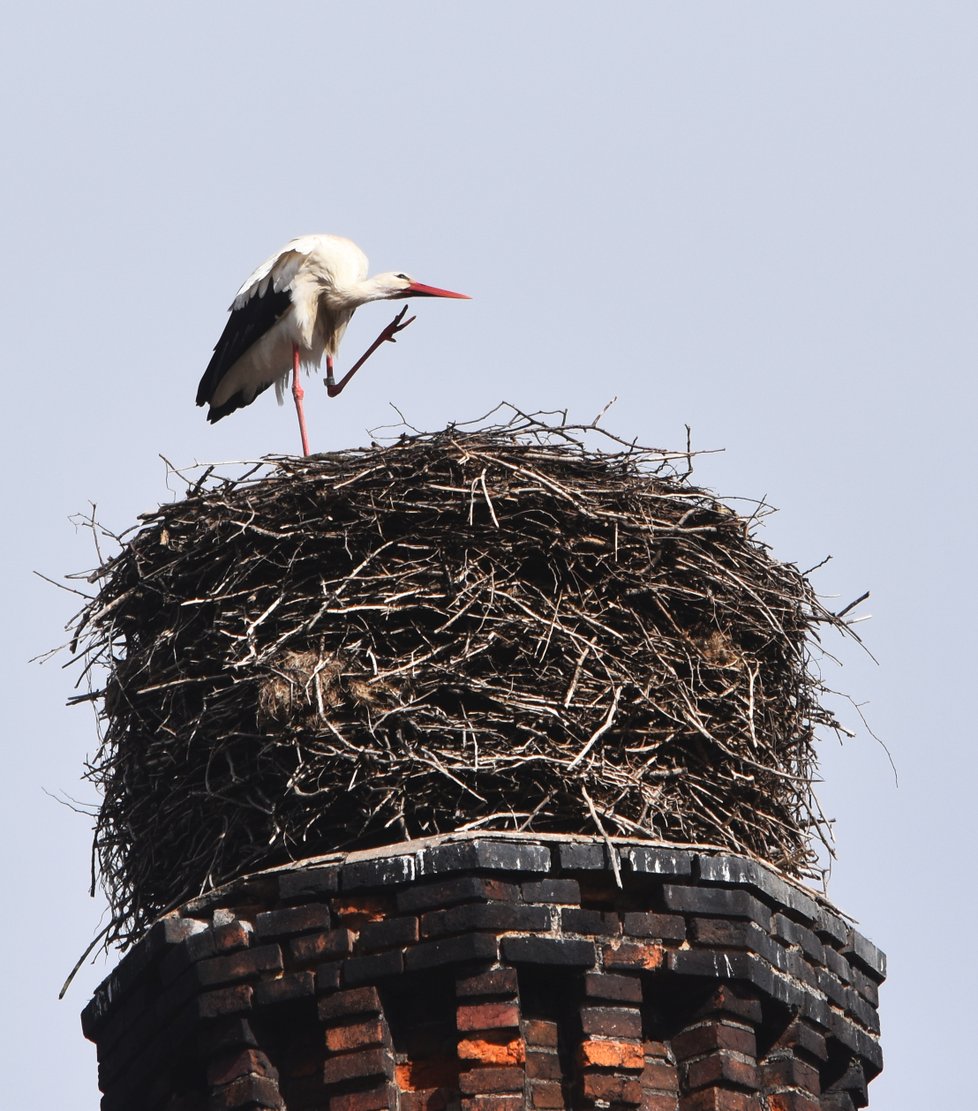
{"points": [[293, 920], [224, 1001], [429, 1074], [721, 1099], [664, 927], [356, 1001], [720, 931], [357, 909], [612, 988], [244, 1062], [709, 1036], [790, 1072], [539, 1031], [316, 947], [610, 1088], [611, 1022], [735, 1001], [493, 1103], [547, 1094], [233, 935], [719, 1068], [478, 1081], [498, 981], [488, 1016], [660, 1076], [544, 1066], [611, 1055], [633, 954], [792, 1101], [350, 1066], [373, 1099], [659, 1101], [250, 1092], [427, 1099], [285, 989], [357, 1035], [491, 1051], [246, 964]]}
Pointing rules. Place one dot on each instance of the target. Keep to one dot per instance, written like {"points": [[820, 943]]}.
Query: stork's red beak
{"points": [[416, 289]]}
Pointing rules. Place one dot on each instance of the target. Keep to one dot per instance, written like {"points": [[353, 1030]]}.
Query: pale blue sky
{"points": [[758, 219]]}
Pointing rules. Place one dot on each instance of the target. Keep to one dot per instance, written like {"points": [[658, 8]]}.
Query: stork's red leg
{"points": [[387, 335], [299, 393]]}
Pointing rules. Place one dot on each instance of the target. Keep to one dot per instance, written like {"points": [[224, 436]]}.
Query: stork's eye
{"points": [[404, 276]]}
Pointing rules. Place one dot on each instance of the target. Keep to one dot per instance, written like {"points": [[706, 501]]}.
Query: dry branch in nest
{"points": [[502, 629]]}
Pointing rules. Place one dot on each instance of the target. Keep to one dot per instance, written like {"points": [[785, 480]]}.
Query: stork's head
{"points": [[399, 286]]}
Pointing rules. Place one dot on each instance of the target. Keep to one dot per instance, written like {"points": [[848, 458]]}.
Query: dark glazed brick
{"points": [[286, 989], [838, 965], [248, 964], [866, 987], [541, 950], [863, 1012], [452, 950], [378, 872], [292, 920], [386, 935], [830, 927], [329, 976], [446, 893], [365, 970], [306, 883], [552, 891], [795, 934], [495, 856], [587, 857], [719, 901], [499, 917], [224, 1001], [864, 953], [748, 873], [652, 861], [574, 920], [830, 987], [663, 927], [219, 1037]]}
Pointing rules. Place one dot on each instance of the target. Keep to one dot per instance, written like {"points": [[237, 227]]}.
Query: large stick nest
{"points": [[499, 629]]}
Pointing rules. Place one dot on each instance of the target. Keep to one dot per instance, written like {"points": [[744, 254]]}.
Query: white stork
{"points": [[293, 310]]}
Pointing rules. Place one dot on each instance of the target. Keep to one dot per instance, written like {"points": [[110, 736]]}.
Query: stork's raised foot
{"points": [[398, 324]]}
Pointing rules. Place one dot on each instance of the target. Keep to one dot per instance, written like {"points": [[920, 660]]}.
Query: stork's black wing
{"points": [[246, 325]]}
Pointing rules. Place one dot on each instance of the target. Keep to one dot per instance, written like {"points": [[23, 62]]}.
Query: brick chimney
{"points": [[495, 974]]}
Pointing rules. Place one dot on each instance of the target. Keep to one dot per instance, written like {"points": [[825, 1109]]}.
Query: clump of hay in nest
{"points": [[493, 630]]}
